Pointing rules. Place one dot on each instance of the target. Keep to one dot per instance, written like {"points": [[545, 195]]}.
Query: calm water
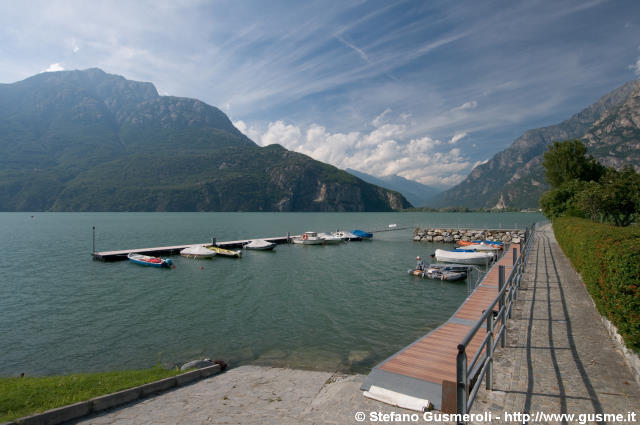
{"points": [[341, 307]]}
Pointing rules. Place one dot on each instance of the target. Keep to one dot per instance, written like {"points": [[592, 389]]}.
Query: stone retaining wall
{"points": [[454, 235]]}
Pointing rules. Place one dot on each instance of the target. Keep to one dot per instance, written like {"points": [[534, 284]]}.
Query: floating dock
{"points": [[121, 255], [426, 369]]}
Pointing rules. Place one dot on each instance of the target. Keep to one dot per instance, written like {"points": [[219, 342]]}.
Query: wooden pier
{"points": [[121, 255], [426, 369]]}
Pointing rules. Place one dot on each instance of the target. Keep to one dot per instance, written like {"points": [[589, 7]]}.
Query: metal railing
{"points": [[470, 376]]}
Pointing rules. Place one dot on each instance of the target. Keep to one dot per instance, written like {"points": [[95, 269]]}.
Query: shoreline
{"points": [[253, 394]]}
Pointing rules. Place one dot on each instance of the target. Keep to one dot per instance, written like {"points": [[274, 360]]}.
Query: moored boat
{"points": [[260, 245], [197, 251], [346, 236], [362, 234], [436, 271], [224, 252], [464, 256], [330, 239], [147, 260], [308, 238], [481, 245]]}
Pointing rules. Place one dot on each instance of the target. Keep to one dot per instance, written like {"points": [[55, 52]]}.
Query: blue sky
{"points": [[422, 89]]}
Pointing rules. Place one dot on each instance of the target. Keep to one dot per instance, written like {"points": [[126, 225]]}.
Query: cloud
{"points": [[457, 137], [54, 67], [465, 106], [384, 150], [636, 67], [251, 132], [359, 51], [283, 134]]}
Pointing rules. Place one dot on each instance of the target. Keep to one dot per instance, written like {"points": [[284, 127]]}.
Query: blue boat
{"points": [[147, 260], [362, 234]]}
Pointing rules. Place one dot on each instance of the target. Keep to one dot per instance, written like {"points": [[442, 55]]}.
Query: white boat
{"points": [[260, 245], [197, 251], [330, 239], [482, 247], [346, 236], [308, 238], [465, 257]]}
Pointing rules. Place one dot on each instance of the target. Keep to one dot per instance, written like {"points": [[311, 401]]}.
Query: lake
{"points": [[344, 307]]}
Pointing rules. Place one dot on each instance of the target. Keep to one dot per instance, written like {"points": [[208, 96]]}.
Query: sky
{"points": [[422, 89]]}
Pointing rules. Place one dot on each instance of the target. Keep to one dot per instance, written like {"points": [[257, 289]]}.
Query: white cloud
{"points": [[478, 163], [251, 132], [465, 106], [636, 67], [54, 67], [379, 120], [383, 151], [280, 133], [459, 135]]}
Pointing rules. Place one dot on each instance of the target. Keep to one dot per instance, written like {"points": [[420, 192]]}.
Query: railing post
{"points": [[489, 379], [503, 319], [461, 373]]}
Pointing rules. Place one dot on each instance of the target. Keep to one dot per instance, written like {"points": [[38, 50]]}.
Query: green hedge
{"points": [[608, 259]]}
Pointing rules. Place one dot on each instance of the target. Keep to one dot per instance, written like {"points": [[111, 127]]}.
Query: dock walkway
{"points": [[559, 357], [121, 255], [420, 369]]}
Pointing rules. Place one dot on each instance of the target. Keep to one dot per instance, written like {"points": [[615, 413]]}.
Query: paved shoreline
{"points": [[253, 395], [559, 356]]}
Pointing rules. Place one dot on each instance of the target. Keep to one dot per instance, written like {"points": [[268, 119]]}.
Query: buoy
{"points": [[201, 267]]}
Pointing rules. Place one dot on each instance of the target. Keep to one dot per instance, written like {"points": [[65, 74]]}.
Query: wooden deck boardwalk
{"points": [[420, 369]]}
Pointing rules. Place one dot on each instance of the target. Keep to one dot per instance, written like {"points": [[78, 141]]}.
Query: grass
{"points": [[26, 396]]}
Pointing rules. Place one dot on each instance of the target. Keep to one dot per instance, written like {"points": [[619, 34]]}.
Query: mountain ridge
{"points": [[93, 141], [514, 177]]}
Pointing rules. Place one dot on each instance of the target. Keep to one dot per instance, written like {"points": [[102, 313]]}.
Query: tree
{"points": [[561, 200], [621, 195], [591, 200], [568, 160]]}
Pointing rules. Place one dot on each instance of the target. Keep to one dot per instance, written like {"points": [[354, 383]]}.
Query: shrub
{"points": [[608, 259]]}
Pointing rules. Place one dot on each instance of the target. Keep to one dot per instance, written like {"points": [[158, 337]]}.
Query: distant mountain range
{"points": [[416, 193], [91, 141], [514, 178]]}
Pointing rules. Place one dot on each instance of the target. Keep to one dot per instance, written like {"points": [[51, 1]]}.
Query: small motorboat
{"points": [[308, 238], [224, 252], [330, 239], [147, 260], [260, 245], [499, 245], [464, 256], [197, 251], [362, 234], [436, 271], [436, 274], [346, 236]]}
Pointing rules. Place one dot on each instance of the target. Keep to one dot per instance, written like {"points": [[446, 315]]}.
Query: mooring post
{"points": [[489, 379], [461, 373], [503, 307]]}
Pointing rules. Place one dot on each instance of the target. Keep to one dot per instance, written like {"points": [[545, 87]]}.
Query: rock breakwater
{"points": [[454, 235]]}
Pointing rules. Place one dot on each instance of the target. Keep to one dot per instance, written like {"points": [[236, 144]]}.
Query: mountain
{"points": [[416, 193], [514, 178], [92, 141]]}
